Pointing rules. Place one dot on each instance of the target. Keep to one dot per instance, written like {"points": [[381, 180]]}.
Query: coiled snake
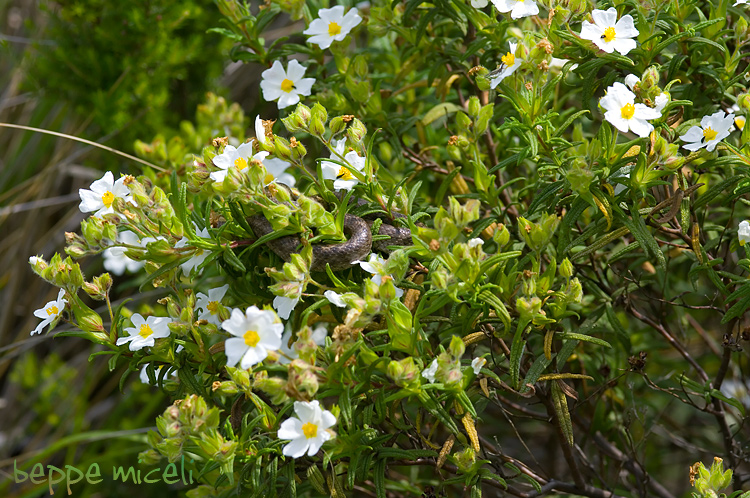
{"points": [[339, 256]]}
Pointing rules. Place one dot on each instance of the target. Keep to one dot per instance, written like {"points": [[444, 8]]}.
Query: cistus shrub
{"points": [[483, 249]]}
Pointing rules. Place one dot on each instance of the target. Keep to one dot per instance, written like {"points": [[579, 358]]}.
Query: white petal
{"points": [[235, 349], [296, 448]]}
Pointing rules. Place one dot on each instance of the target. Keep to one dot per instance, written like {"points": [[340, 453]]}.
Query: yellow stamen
{"points": [[287, 85], [508, 59], [609, 34], [309, 430], [345, 174], [251, 338], [108, 198], [52, 310], [333, 29], [145, 331], [709, 134], [268, 179], [627, 111], [213, 307], [241, 163]]}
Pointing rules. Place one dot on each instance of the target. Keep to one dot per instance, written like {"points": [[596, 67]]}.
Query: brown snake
{"points": [[339, 256]]}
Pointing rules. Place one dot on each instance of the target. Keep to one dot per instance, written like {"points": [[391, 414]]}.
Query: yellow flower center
{"points": [[145, 331], [609, 34], [241, 163], [627, 111], [268, 179], [287, 85], [213, 307], [309, 430], [740, 122], [333, 29], [108, 198], [251, 338], [52, 310], [508, 59], [709, 134], [344, 174]]}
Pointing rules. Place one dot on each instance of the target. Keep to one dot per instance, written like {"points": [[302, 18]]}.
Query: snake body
{"points": [[339, 256]]}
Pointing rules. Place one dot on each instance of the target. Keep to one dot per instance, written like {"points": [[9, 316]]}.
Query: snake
{"points": [[358, 245]]}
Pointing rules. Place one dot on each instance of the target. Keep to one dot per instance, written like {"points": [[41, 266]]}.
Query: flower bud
{"points": [[501, 235], [38, 264], [474, 106], [281, 148], [337, 125], [743, 101], [457, 347], [650, 78], [463, 122], [318, 119], [356, 131], [566, 268], [404, 373], [528, 308], [226, 388], [240, 377], [274, 387]]}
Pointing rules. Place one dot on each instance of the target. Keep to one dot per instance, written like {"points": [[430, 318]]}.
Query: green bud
{"points": [[240, 377], [454, 152], [743, 101], [225, 388], [356, 131], [318, 120], [281, 148], [337, 125], [38, 264], [740, 28], [580, 176], [463, 122], [274, 387], [149, 457], [302, 380], [465, 214], [483, 120], [440, 278], [474, 106], [457, 347], [528, 308], [650, 78], [99, 288], [404, 373], [465, 459], [501, 235], [387, 289], [566, 268]]}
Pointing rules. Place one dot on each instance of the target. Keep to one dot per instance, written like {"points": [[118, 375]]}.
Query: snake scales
{"points": [[339, 256]]}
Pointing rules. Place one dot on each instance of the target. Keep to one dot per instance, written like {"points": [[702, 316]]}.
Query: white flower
{"points": [[276, 171], [477, 364], [343, 179], [116, 261], [241, 157], [624, 114], [334, 298], [308, 430], [737, 389], [260, 130], [509, 65], [332, 25], [713, 129], [479, 4], [33, 260], [318, 336], [376, 266], [286, 86], [50, 312], [661, 101], [475, 242], [739, 2], [743, 233], [256, 333], [144, 332], [210, 304], [608, 33], [429, 372], [631, 80], [739, 121], [102, 194], [284, 305], [238, 157], [517, 8], [199, 255]]}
